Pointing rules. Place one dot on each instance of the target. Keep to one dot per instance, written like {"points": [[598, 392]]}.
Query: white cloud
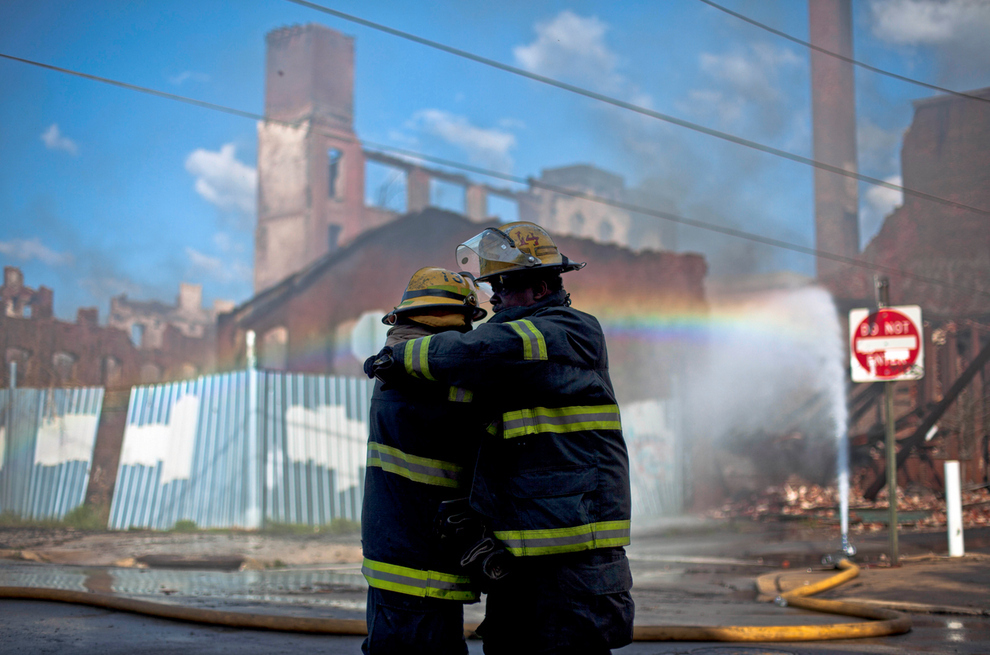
{"points": [[571, 46], [488, 147], [883, 200], [33, 249], [511, 124], [184, 76], [878, 203], [220, 269], [55, 140], [400, 137], [223, 180], [929, 22]]}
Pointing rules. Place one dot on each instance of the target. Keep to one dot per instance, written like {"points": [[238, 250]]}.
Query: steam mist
{"points": [[770, 394]]}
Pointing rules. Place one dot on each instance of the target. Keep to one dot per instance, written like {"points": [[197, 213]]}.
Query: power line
{"points": [[836, 55], [711, 227], [142, 89], [725, 136], [675, 218]]}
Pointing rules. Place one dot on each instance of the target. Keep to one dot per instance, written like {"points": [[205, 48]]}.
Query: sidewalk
{"points": [[696, 572], [922, 584]]}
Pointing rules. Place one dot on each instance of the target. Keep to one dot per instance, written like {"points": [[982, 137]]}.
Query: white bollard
{"points": [[252, 355], [953, 509]]}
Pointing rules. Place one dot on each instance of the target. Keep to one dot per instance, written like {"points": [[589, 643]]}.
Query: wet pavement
{"points": [[686, 572]]}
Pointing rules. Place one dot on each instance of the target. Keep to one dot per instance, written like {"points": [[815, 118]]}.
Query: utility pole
{"points": [[883, 300]]}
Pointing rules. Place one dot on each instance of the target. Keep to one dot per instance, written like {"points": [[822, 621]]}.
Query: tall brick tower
{"points": [[310, 174], [833, 109]]}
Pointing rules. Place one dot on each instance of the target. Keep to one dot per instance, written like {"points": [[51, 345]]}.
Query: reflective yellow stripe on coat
{"points": [[605, 534], [418, 469], [416, 582], [416, 357], [560, 420], [534, 345], [458, 395]]}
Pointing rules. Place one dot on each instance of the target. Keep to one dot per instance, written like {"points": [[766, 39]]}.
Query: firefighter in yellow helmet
{"points": [[420, 454], [438, 298], [552, 477]]}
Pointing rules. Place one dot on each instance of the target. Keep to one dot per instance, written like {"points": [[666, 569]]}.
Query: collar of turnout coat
{"points": [[557, 299]]}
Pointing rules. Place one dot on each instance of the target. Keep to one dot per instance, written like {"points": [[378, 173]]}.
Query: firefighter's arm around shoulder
{"points": [[473, 360]]}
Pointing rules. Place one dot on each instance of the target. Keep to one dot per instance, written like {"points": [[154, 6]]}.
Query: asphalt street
{"points": [[699, 574]]}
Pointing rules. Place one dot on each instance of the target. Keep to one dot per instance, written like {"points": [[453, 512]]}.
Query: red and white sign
{"points": [[887, 344]]}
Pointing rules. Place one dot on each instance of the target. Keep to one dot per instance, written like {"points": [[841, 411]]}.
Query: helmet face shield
{"points": [[483, 290], [491, 252]]}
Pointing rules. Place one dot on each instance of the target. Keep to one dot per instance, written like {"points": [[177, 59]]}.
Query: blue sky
{"points": [[106, 191]]}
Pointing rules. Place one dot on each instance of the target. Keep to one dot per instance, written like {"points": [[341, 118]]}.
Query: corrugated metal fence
{"points": [[46, 448], [243, 449]]}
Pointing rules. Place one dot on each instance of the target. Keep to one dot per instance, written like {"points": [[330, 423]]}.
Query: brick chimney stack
{"points": [[833, 109]]}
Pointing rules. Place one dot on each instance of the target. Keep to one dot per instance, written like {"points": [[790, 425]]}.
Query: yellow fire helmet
{"points": [[520, 246], [437, 291]]}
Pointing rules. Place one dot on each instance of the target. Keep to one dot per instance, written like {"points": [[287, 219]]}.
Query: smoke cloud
{"points": [[953, 32]]}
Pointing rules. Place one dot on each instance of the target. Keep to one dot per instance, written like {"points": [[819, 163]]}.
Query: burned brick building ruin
{"points": [[143, 342], [314, 191]]}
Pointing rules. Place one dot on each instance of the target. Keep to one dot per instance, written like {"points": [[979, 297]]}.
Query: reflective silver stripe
{"points": [[416, 357], [418, 469], [417, 582], [604, 534], [534, 345], [559, 420], [458, 395]]}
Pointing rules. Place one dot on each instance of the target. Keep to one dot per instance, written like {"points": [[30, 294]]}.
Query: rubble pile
{"points": [[797, 499]]}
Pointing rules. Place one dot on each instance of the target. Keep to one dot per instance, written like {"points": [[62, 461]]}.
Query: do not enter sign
{"points": [[887, 344]]}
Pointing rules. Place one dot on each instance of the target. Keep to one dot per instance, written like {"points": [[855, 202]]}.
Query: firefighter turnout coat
{"points": [[421, 451], [553, 473]]}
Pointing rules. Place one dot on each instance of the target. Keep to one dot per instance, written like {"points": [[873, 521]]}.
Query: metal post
{"points": [[9, 425], [953, 509], [883, 300], [254, 512], [891, 447]]}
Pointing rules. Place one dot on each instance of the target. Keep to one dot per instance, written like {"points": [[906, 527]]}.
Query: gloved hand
{"points": [[457, 523], [487, 561], [464, 533], [377, 366]]}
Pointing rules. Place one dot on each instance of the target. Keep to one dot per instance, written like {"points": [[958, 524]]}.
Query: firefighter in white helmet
{"points": [[552, 478], [420, 453]]}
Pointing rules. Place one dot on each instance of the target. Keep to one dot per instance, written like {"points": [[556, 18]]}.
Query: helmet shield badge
{"points": [[491, 252]]}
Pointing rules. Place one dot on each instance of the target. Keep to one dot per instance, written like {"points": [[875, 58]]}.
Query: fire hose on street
{"points": [[881, 622]]}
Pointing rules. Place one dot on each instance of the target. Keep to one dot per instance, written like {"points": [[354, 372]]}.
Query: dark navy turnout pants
{"points": [[401, 624], [577, 603]]}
